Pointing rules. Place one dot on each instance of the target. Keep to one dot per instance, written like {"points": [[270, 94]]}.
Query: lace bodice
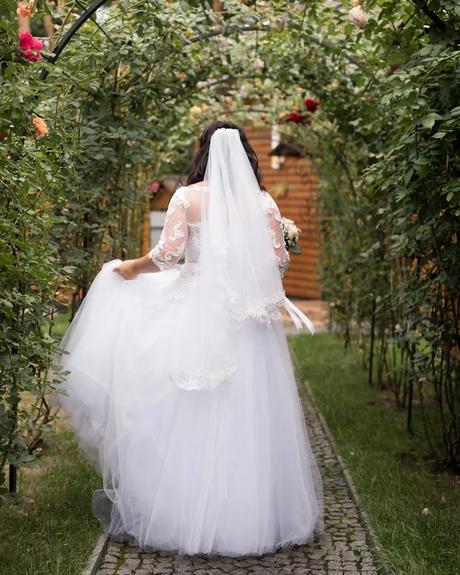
{"points": [[180, 237]]}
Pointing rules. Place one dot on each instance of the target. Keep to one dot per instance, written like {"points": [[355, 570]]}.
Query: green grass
{"points": [[393, 475], [48, 528]]}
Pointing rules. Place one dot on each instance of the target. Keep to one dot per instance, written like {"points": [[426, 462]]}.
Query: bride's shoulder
{"points": [[196, 186], [186, 194], [184, 191], [180, 197], [180, 190]]}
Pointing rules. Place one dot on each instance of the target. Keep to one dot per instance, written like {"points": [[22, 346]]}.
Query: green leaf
{"points": [[429, 120]]}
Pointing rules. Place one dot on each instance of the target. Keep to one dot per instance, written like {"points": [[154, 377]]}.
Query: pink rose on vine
{"points": [[357, 15], [155, 187], [25, 11], [30, 46]]}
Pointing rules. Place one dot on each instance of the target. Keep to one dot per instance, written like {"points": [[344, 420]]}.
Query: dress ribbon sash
{"points": [[297, 316]]}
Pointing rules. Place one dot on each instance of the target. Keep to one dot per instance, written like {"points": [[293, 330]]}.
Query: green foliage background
{"points": [[124, 103]]}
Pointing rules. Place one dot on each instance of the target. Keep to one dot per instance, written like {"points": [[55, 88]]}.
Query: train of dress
{"points": [[225, 471]]}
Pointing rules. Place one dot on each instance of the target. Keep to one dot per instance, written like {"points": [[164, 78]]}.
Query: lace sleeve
{"points": [[171, 244], [273, 217]]}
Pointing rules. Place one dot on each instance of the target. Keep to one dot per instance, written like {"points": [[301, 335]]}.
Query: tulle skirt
{"points": [[228, 471]]}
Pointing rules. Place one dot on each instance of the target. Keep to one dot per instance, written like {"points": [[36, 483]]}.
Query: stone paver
{"points": [[345, 547]]}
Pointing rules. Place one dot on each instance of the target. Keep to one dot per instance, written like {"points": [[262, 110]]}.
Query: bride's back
{"points": [[193, 195]]}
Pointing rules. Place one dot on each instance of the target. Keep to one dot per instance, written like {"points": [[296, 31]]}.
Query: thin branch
{"points": [[266, 28], [423, 6], [96, 22]]}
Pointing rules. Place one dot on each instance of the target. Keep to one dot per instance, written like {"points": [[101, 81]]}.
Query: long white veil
{"points": [[238, 278], [235, 240]]}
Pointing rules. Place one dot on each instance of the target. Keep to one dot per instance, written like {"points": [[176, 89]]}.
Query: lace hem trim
{"points": [[202, 380]]}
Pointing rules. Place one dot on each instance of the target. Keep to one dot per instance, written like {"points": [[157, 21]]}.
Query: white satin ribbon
{"points": [[297, 316]]}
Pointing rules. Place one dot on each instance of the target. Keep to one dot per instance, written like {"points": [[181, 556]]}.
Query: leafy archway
{"points": [[128, 95], [237, 48]]}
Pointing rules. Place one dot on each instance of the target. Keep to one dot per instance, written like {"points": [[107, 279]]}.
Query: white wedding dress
{"points": [[222, 468]]}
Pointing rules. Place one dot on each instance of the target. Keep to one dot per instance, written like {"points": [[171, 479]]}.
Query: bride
{"points": [[179, 383]]}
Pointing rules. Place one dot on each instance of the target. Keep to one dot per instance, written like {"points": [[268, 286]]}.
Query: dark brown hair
{"points": [[201, 157]]}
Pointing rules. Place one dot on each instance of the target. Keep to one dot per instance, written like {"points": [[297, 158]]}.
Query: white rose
{"points": [[258, 64], [358, 17], [293, 232]]}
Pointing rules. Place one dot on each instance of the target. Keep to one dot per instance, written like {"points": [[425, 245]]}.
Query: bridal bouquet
{"points": [[291, 235]]}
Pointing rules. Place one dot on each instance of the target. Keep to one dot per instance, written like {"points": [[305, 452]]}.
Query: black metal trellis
{"points": [[84, 17], [88, 13]]}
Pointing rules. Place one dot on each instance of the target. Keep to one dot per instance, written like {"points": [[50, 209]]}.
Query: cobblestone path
{"points": [[345, 548]]}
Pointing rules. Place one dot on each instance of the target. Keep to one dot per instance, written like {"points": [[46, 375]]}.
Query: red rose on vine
{"points": [[297, 118], [311, 104], [30, 47]]}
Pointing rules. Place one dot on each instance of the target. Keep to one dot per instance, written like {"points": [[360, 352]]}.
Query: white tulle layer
{"points": [[228, 471]]}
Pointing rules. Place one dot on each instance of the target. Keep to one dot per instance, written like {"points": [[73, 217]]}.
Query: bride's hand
{"points": [[127, 269]]}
